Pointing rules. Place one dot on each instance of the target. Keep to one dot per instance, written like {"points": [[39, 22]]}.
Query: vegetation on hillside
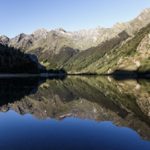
{"points": [[14, 61], [127, 53], [87, 57]]}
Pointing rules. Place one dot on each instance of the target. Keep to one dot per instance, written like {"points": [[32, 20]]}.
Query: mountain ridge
{"points": [[60, 48]]}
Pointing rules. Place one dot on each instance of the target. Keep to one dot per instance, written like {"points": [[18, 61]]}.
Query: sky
{"points": [[26, 16]]}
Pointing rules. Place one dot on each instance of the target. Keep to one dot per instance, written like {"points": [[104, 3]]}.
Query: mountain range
{"points": [[125, 46]]}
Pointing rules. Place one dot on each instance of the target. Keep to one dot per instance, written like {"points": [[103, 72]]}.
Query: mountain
{"points": [[132, 55], [90, 51], [129, 51]]}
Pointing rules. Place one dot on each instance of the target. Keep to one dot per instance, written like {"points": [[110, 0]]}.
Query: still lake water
{"points": [[78, 113]]}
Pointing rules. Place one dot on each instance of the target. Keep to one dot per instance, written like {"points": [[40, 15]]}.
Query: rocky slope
{"points": [[83, 51], [133, 55]]}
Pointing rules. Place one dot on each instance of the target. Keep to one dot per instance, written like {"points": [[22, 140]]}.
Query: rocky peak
{"points": [[22, 41], [145, 13], [4, 40], [140, 21], [61, 30], [40, 33], [136, 24], [20, 37]]}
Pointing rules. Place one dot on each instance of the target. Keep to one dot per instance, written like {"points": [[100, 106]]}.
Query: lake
{"points": [[76, 113]]}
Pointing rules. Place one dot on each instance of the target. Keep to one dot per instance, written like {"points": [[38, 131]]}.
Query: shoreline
{"points": [[51, 75], [26, 75]]}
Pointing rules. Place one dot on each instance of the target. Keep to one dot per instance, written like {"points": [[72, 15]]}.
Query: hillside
{"points": [[133, 55], [14, 61]]}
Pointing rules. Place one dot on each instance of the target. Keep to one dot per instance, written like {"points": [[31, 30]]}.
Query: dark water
{"points": [[78, 113]]}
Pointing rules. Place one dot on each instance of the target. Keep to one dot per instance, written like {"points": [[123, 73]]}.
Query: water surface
{"points": [[89, 113]]}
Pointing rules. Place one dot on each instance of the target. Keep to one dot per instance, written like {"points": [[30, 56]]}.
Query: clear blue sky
{"points": [[19, 16]]}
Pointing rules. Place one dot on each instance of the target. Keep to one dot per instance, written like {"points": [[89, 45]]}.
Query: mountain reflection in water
{"points": [[75, 113]]}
